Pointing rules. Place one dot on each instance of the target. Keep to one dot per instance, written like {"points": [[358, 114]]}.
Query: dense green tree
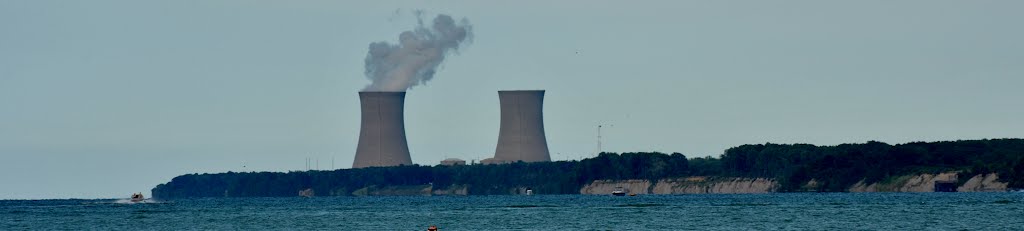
{"points": [[835, 168]]}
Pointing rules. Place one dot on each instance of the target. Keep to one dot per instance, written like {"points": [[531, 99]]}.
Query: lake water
{"points": [[860, 211]]}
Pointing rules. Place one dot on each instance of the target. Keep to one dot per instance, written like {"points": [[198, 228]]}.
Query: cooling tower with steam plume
{"points": [[394, 69], [521, 136], [382, 133]]}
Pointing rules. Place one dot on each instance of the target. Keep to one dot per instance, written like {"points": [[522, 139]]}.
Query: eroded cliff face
{"points": [[926, 183], [698, 185], [688, 185], [607, 186], [726, 185], [716, 185], [986, 183]]}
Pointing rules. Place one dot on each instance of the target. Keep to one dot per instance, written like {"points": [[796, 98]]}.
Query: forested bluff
{"points": [[787, 167]]}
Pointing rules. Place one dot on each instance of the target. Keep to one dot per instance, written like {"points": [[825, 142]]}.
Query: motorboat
{"points": [[137, 197], [619, 191]]}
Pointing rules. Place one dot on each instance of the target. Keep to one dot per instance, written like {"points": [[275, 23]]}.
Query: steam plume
{"points": [[416, 57]]}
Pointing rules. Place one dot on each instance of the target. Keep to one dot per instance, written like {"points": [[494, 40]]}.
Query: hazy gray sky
{"points": [[106, 98]]}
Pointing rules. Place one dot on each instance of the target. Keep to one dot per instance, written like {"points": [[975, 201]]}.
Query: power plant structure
{"points": [[382, 133], [521, 135]]}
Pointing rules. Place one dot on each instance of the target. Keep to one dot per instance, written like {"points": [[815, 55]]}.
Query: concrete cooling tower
{"points": [[382, 133], [521, 136]]}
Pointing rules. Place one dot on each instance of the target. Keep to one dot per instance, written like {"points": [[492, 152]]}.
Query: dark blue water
{"points": [[860, 211]]}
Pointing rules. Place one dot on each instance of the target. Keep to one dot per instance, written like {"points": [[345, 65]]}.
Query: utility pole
{"points": [[599, 147], [598, 140]]}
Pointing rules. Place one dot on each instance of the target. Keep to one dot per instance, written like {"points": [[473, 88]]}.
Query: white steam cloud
{"points": [[416, 57]]}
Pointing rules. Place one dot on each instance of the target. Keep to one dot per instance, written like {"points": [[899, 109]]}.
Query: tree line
{"points": [[835, 168]]}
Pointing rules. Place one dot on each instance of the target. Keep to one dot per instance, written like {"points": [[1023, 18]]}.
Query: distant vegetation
{"points": [[835, 168]]}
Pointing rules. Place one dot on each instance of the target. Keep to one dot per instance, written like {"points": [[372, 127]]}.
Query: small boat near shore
{"points": [[137, 197], [619, 191]]}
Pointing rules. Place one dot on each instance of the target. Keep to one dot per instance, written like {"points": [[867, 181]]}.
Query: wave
{"points": [[144, 201]]}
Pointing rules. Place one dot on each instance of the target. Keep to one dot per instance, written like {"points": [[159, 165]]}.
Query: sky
{"points": [[100, 99]]}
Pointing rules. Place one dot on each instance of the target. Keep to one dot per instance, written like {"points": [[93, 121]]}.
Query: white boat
{"points": [[137, 197], [619, 191]]}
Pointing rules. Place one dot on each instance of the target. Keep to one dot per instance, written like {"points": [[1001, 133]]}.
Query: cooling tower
{"points": [[382, 133], [521, 136]]}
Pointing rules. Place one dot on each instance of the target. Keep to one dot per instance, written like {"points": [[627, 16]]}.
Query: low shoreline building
{"points": [[453, 162]]}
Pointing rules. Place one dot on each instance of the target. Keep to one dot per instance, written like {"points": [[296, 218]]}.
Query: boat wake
{"points": [[129, 201]]}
